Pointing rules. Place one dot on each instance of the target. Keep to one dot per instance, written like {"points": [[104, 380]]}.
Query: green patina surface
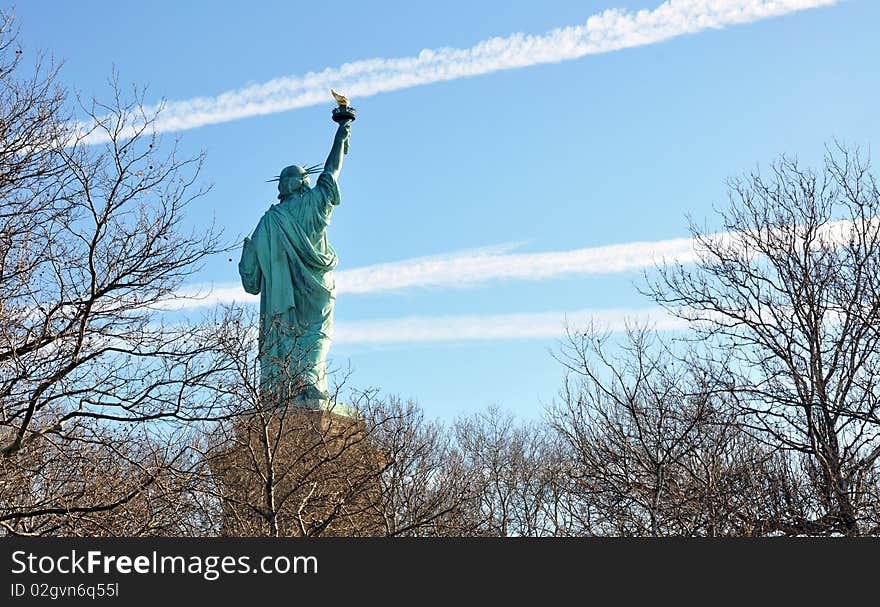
{"points": [[289, 262]]}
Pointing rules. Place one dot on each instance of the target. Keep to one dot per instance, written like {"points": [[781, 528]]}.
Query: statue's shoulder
{"points": [[267, 217], [274, 209]]}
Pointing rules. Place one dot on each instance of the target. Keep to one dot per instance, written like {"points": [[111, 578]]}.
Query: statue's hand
{"points": [[343, 134]]}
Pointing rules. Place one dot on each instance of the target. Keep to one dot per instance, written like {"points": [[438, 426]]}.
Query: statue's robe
{"points": [[289, 262]]}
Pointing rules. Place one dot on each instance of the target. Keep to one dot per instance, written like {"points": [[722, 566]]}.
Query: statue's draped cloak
{"points": [[289, 262]]}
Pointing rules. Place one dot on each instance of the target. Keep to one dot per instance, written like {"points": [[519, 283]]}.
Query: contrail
{"points": [[468, 268], [463, 269], [610, 30], [493, 327]]}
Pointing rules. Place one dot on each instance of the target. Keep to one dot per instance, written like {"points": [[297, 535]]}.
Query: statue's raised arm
{"points": [[334, 160]]}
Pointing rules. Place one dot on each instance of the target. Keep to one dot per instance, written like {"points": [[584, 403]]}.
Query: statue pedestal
{"points": [[302, 472]]}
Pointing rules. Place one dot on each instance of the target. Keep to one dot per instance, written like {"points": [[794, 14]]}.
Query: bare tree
{"points": [[274, 467], [93, 242], [109, 482], [789, 295], [657, 446], [517, 473], [425, 488]]}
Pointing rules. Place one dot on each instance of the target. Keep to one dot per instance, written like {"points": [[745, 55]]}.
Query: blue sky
{"points": [[478, 178]]}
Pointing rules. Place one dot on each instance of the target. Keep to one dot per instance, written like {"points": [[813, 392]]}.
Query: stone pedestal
{"points": [[301, 472]]}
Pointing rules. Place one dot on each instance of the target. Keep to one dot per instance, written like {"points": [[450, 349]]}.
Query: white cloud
{"points": [[469, 268], [611, 30], [207, 295], [496, 327], [472, 267]]}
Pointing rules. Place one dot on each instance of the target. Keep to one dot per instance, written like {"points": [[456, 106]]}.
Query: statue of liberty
{"points": [[289, 262]]}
